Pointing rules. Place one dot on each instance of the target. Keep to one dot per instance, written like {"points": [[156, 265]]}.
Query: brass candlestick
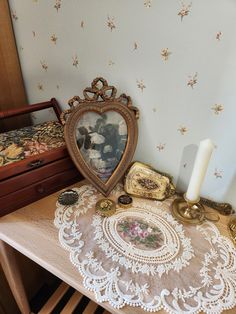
{"points": [[187, 211], [191, 212]]}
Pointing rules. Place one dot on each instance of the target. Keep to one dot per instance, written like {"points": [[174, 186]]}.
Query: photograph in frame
{"points": [[101, 140]]}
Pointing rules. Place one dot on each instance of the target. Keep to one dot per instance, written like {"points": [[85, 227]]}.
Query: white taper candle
{"points": [[199, 170]]}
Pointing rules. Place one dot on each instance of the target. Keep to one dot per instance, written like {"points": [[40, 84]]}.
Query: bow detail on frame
{"points": [[98, 92]]}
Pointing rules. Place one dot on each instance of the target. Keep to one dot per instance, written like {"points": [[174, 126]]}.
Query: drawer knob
{"points": [[40, 189], [35, 163]]}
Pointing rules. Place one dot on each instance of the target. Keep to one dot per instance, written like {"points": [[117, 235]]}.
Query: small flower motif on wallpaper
{"points": [[185, 165], [111, 23], [75, 62], [57, 5], [161, 147], [40, 86], [14, 15], [218, 174], [182, 130], [154, 109], [82, 24], [44, 65], [54, 39], [34, 33], [110, 63], [185, 10], [135, 46], [58, 87], [141, 85], [165, 53], [192, 80], [218, 36], [217, 108], [147, 3]]}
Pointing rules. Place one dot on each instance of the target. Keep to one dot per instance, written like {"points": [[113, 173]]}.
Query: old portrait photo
{"points": [[101, 140]]}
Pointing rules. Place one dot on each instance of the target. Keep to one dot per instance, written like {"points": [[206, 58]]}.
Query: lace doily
{"points": [[143, 257]]}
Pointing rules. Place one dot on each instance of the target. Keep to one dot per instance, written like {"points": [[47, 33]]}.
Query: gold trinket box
{"points": [[105, 207], [144, 181], [125, 201]]}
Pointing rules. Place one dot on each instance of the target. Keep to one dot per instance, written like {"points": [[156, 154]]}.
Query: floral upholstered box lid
{"points": [[29, 141]]}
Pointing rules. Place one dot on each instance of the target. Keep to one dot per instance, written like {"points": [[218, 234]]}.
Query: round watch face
{"points": [[105, 207], [68, 197]]}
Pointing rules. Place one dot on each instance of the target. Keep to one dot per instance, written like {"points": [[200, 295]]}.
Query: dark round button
{"points": [[68, 197]]}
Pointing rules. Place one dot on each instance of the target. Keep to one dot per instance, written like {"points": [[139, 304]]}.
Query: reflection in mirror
{"points": [[101, 140]]}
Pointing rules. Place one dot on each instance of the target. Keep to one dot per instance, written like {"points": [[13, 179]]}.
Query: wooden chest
{"points": [[34, 161]]}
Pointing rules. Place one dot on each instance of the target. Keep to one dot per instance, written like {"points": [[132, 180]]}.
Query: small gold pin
{"points": [[105, 207]]}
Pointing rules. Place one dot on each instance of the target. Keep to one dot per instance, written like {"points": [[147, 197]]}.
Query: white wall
{"points": [[167, 103]]}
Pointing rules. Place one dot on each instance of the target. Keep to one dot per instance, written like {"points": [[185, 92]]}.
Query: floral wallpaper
{"points": [[176, 59]]}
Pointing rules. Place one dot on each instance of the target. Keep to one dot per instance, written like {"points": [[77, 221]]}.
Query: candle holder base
{"points": [[188, 212]]}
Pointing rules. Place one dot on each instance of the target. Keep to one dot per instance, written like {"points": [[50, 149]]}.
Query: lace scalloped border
{"points": [[106, 285]]}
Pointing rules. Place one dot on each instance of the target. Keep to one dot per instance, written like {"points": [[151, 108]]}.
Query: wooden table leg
{"points": [[13, 276]]}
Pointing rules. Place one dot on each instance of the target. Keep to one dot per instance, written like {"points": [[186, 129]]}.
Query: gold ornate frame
{"points": [[101, 98]]}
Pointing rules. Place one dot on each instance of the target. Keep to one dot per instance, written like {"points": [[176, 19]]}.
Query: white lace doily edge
{"points": [[140, 304]]}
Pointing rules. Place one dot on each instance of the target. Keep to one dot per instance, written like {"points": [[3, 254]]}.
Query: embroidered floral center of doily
{"points": [[143, 239], [160, 246], [142, 235]]}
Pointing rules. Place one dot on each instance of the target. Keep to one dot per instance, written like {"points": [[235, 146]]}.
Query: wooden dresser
{"points": [[29, 179]]}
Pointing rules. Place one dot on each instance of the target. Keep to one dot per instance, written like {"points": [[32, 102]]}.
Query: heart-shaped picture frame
{"points": [[101, 134]]}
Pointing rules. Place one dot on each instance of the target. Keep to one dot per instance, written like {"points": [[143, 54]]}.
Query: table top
{"points": [[31, 231]]}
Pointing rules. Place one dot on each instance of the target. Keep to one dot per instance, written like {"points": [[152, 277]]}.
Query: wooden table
{"points": [[31, 231]]}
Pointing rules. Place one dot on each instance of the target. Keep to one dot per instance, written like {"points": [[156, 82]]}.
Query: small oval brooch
{"points": [[105, 207], [68, 197]]}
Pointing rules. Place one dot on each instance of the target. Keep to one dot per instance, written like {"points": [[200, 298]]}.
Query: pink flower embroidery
{"points": [[34, 148], [140, 233]]}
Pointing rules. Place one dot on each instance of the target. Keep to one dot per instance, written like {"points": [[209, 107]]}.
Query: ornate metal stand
{"points": [[190, 212]]}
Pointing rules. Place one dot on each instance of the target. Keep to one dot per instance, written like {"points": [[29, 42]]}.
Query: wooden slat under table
{"points": [[30, 230]]}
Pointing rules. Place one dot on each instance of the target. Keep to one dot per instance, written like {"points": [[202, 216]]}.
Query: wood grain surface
{"points": [[30, 230], [11, 82]]}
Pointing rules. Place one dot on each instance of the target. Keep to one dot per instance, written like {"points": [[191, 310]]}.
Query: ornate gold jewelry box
{"points": [[144, 181]]}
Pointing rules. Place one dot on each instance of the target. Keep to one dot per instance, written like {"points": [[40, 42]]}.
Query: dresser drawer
{"points": [[37, 190], [25, 179], [32, 163]]}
